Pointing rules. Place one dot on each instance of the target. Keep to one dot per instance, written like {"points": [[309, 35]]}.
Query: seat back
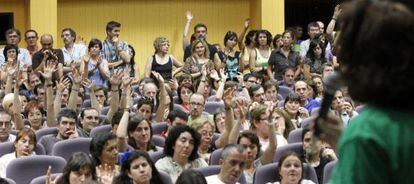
{"points": [[165, 178], [327, 171], [66, 148], [46, 131], [105, 110], [214, 170], [158, 128], [100, 129], [10, 181], [23, 170], [8, 147], [42, 179], [158, 140], [295, 136], [269, 173], [155, 156], [212, 107], [215, 157], [294, 147], [284, 91], [307, 122]]}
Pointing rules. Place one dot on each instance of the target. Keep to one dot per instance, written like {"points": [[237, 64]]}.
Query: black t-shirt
{"points": [[38, 57], [211, 48]]}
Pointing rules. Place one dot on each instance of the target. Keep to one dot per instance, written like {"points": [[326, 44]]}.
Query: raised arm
{"points": [[47, 74], [224, 137], [159, 115], [222, 82], [270, 151], [189, 17], [331, 26], [243, 33], [204, 79], [115, 81], [61, 85], [17, 108], [76, 82], [11, 71], [103, 68], [122, 131], [235, 131]]}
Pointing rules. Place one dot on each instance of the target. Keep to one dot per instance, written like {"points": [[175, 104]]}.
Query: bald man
{"points": [[46, 41]]}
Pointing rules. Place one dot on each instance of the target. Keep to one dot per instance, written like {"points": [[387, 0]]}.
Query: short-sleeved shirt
{"points": [[174, 169], [78, 51], [315, 64], [279, 62], [38, 57], [110, 52], [213, 179], [377, 147], [23, 56]]}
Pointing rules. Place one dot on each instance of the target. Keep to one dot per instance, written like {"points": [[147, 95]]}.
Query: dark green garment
{"points": [[377, 147]]}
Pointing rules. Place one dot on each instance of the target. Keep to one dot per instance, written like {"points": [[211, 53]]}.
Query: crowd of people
{"points": [[266, 87]]}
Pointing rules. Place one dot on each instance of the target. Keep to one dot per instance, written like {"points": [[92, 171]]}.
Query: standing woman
{"points": [[137, 167], [199, 58], [97, 69], [284, 58], [161, 61], [247, 48], [258, 61], [315, 58], [233, 63]]}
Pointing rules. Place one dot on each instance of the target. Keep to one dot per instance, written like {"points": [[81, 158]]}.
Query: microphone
{"points": [[332, 83]]}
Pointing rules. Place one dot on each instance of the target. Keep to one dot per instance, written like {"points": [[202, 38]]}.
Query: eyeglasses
{"points": [[31, 37], [196, 104], [6, 124], [13, 36]]}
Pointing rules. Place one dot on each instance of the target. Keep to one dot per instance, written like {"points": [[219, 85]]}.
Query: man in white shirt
{"points": [[72, 52], [13, 38], [313, 31], [233, 162]]}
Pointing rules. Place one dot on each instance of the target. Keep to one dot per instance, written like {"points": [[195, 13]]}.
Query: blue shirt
{"points": [[311, 104]]}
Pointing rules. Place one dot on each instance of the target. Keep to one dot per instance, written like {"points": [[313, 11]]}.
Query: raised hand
{"points": [[228, 96], [247, 23], [49, 176], [105, 174], [48, 70], [126, 81], [87, 83], [189, 16], [337, 11], [173, 84], [223, 74], [214, 75], [116, 78], [77, 78], [158, 76], [62, 84]]}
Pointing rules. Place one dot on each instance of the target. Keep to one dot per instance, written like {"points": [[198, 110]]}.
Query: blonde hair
{"points": [[158, 42], [206, 49]]}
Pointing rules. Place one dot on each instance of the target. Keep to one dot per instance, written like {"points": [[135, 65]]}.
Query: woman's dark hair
{"points": [[123, 177], [218, 111], [249, 37], [311, 53], [146, 101], [230, 35], [274, 42], [175, 133], [190, 87], [252, 137], [93, 42], [283, 158], [268, 36], [10, 47], [292, 34], [134, 122], [191, 176], [132, 62], [366, 24], [292, 97], [75, 163], [98, 144]]}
